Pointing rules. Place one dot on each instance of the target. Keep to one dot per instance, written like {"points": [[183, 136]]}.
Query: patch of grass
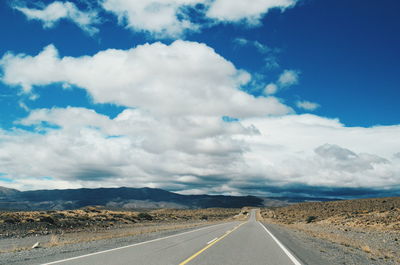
{"points": [[311, 219]]}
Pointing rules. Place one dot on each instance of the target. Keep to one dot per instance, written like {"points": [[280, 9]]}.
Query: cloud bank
{"points": [[81, 148], [179, 130]]}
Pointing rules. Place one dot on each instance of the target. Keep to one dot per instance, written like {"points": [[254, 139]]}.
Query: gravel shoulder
{"points": [[313, 250]]}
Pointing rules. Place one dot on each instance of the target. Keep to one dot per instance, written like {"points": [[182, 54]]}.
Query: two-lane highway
{"points": [[241, 243], [250, 244]]}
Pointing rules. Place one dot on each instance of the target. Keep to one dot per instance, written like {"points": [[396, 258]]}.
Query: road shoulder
{"points": [[315, 251], [43, 255]]}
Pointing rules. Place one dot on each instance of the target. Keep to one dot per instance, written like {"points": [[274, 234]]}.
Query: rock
{"points": [[36, 245]]}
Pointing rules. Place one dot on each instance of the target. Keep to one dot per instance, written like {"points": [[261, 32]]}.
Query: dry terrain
{"points": [[21, 230], [372, 225]]}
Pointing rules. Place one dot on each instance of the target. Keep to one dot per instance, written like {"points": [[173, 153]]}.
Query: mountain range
{"points": [[128, 198]]}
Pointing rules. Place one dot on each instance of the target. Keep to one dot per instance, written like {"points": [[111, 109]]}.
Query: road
{"points": [[239, 243]]}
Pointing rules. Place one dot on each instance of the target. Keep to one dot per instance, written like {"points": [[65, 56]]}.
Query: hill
{"points": [[7, 193], [125, 198]]}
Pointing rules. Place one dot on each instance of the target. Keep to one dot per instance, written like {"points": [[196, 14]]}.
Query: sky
{"points": [[262, 97]]}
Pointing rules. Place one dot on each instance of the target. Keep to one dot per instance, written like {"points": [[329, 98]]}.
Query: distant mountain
{"points": [[7, 193], [117, 198]]}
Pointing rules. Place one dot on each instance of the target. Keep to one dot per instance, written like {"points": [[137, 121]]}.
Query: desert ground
{"points": [[365, 231], [370, 225], [21, 230]]}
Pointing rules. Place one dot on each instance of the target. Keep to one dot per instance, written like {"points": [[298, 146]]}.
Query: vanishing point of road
{"points": [[232, 243]]}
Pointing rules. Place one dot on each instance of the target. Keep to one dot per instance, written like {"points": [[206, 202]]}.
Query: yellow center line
{"points": [[209, 245]]}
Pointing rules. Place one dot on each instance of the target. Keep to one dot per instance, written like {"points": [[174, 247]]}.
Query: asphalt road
{"points": [[239, 243]]}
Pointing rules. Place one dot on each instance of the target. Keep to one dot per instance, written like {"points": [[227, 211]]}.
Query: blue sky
{"points": [[308, 85]]}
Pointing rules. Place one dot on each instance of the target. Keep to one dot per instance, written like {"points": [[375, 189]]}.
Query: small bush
{"points": [[47, 219], [10, 221], [204, 217], [311, 219], [145, 216]]}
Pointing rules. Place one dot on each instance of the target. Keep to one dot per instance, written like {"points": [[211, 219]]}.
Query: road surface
{"points": [[238, 243]]}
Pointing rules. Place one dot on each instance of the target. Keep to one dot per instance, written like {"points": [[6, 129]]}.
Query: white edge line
{"points": [[287, 252], [209, 242], [128, 246]]}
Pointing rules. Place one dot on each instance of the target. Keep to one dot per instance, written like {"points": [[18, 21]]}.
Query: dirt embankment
{"points": [[372, 225]]}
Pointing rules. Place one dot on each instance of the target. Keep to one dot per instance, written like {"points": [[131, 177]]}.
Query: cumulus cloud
{"points": [[307, 105], [171, 18], [51, 14], [162, 18], [159, 18], [88, 148], [270, 89], [184, 78], [173, 133], [249, 11], [342, 159], [316, 151], [82, 148], [288, 78]]}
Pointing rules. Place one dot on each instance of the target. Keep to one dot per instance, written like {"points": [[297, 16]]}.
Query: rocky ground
{"points": [[21, 230], [371, 226]]}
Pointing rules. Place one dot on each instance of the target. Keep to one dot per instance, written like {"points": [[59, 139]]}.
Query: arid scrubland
{"points": [[372, 225], [20, 230]]}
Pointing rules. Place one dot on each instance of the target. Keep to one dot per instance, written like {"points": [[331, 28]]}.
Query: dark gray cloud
{"points": [[346, 160], [298, 190], [335, 152], [94, 173]]}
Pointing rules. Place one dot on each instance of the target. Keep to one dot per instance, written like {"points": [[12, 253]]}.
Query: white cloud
{"points": [[162, 18], [249, 11], [288, 78], [170, 19], [202, 154], [270, 89], [90, 149], [56, 11], [345, 160], [307, 105], [312, 150], [262, 48], [172, 135], [184, 78]]}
